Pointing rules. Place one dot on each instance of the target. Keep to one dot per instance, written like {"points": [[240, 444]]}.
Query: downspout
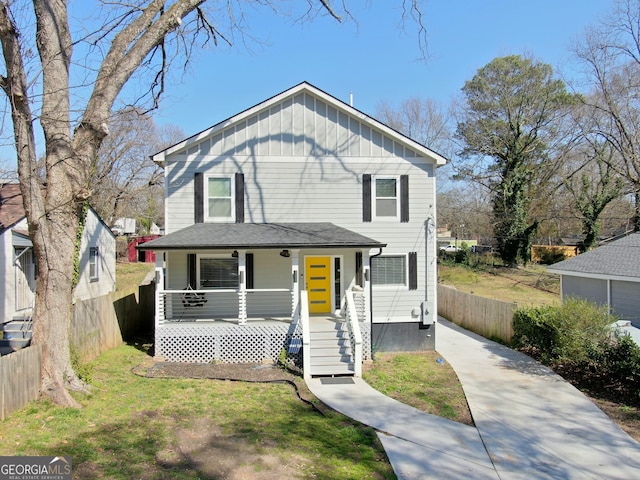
{"points": [[427, 306], [371, 285]]}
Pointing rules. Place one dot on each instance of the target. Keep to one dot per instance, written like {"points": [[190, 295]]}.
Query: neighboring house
{"points": [[18, 266], [608, 275], [124, 226], [135, 254], [297, 210]]}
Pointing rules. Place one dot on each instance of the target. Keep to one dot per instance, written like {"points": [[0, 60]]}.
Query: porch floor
{"points": [[313, 320]]}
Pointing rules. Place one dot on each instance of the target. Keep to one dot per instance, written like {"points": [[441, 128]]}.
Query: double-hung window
{"points": [[389, 270], [386, 204], [94, 264], [219, 201], [218, 272]]}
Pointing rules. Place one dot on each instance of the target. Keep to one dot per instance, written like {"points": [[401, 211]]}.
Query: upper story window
{"points": [[386, 202], [219, 201], [94, 264]]}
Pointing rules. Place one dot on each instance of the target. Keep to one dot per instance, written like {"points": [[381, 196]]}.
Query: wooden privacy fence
{"points": [[490, 318], [102, 323], [98, 324], [19, 379]]}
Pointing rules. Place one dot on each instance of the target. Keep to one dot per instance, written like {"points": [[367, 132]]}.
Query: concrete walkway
{"points": [[530, 423]]}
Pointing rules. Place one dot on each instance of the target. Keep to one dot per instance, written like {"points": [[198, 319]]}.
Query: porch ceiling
{"points": [[246, 236]]}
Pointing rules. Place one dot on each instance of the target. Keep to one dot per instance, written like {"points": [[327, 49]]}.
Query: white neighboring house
{"points": [[607, 275], [298, 209], [17, 263], [124, 226]]}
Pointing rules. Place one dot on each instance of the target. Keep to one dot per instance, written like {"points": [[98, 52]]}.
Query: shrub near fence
{"points": [[490, 318]]}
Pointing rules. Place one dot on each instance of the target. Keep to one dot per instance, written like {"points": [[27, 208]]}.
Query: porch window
{"points": [[219, 201], [94, 264], [219, 273], [386, 198], [389, 270]]}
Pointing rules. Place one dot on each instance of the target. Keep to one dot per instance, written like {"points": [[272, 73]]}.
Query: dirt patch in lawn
{"points": [[203, 448]]}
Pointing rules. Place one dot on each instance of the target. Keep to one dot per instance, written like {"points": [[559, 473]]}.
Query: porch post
{"points": [[160, 299], [366, 284], [295, 281], [242, 287]]}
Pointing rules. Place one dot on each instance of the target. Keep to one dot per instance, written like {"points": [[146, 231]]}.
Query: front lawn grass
{"points": [[137, 427], [423, 380]]}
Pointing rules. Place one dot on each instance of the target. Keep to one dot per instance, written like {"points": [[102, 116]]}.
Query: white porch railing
{"points": [[228, 304], [306, 334], [353, 324]]}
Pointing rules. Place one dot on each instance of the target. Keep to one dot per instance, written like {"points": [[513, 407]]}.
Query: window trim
{"points": [[374, 198], [94, 261], [199, 257], [405, 283], [232, 199]]}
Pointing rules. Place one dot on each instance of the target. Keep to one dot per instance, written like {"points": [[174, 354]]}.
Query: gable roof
{"points": [[619, 259], [11, 208], [226, 236], [307, 88]]}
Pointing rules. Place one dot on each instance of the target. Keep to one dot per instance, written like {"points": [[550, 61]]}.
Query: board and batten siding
{"points": [[303, 160]]}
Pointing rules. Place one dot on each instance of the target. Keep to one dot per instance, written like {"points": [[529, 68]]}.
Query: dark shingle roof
{"points": [[11, 209], [219, 236], [619, 258]]}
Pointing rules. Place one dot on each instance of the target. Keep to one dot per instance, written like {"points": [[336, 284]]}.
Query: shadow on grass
{"points": [[294, 440]]}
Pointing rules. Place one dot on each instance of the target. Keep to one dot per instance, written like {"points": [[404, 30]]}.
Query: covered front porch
{"points": [[250, 291]]}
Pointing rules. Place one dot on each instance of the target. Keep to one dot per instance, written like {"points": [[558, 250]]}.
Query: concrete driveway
{"points": [[529, 422]]}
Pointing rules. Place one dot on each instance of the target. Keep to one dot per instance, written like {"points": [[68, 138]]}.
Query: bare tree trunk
{"points": [[54, 206]]}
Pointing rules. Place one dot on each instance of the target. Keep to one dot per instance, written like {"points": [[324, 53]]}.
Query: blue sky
{"points": [[372, 57], [375, 58]]}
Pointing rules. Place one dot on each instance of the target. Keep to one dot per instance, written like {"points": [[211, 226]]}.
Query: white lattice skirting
{"points": [[235, 343]]}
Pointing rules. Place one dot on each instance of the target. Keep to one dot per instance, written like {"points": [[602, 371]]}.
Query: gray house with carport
{"points": [[608, 275]]}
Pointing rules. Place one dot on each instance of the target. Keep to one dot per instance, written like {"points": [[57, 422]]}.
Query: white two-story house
{"points": [[300, 226]]}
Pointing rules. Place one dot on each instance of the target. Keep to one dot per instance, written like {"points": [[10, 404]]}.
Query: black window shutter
{"points": [[359, 278], [413, 271], [198, 198], [191, 270], [239, 197], [249, 269], [404, 198], [366, 197]]}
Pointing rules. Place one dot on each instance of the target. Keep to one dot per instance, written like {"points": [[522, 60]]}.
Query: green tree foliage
{"points": [[610, 56], [596, 188], [511, 127]]}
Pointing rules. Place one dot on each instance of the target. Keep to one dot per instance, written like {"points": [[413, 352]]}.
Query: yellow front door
{"points": [[318, 283]]}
